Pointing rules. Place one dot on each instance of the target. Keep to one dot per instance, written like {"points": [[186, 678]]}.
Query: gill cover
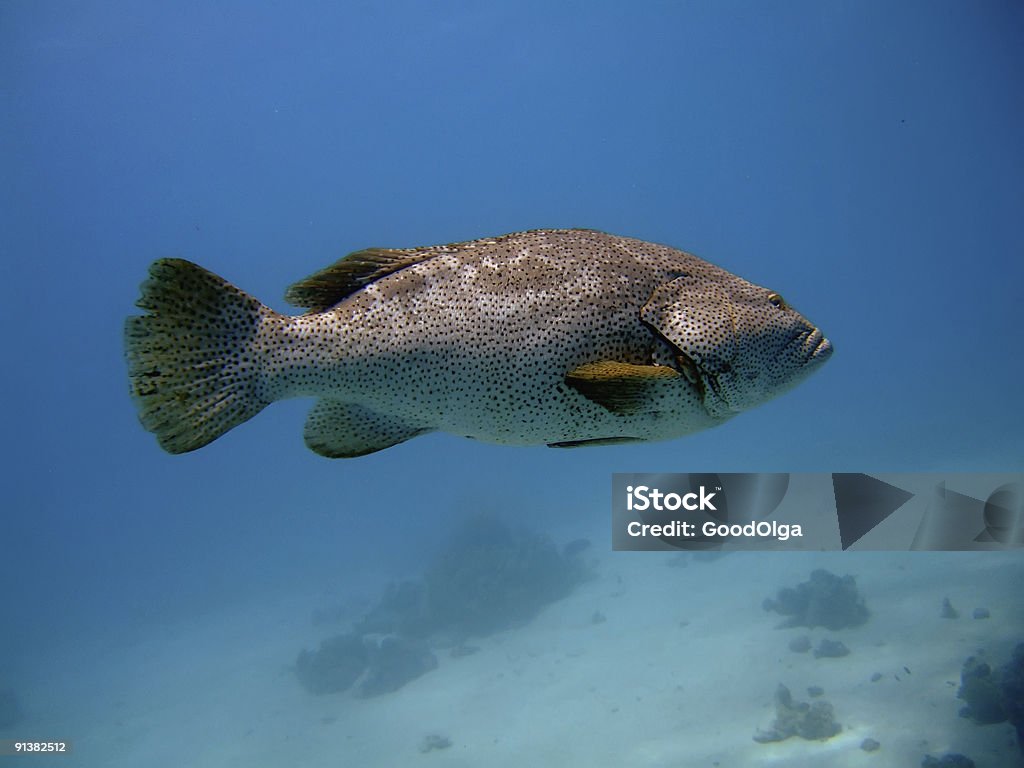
{"points": [[694, 315]]}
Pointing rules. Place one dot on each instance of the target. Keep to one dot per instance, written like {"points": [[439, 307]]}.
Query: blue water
{"points": [[864, 159]]}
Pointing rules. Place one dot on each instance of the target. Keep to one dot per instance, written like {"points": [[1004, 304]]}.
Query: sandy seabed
{"points": [[679, 669]]}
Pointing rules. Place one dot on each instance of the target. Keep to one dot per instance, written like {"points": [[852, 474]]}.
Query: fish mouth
{"points": [[819, 349]]}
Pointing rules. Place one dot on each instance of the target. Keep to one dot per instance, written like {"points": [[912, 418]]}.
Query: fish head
{"points": [[737, 343]]}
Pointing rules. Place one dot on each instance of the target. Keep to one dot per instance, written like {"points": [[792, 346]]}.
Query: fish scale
{"points": [[556, 337]]}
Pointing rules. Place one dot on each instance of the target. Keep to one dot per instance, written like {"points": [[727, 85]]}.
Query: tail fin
{"points": [[190, 361]]}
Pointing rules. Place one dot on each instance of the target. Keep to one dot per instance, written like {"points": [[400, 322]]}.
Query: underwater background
{"points": [[864, 159]]}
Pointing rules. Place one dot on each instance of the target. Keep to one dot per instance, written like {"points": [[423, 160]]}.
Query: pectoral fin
{"points": [[622, 388]]}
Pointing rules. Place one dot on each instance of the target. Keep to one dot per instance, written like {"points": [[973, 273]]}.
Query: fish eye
{"points": [[777, 301]]}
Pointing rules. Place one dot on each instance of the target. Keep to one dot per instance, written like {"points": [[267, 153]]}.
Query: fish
{"points": [[558, 337]]}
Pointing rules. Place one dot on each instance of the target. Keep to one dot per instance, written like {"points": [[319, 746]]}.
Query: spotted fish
{"points": [[556, 337]]}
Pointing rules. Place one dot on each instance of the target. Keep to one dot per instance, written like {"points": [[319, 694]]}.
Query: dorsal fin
{"points": [[323, 289], [344, 277]]}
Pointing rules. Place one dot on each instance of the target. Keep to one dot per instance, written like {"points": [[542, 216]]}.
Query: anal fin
{"points": [[340, 430], [622, 388]]}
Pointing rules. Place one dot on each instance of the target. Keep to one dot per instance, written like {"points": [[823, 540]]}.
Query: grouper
{"points": [[549, 337]]}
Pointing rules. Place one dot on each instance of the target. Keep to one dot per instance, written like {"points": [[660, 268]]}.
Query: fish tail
{"points": [[191, 359]]}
